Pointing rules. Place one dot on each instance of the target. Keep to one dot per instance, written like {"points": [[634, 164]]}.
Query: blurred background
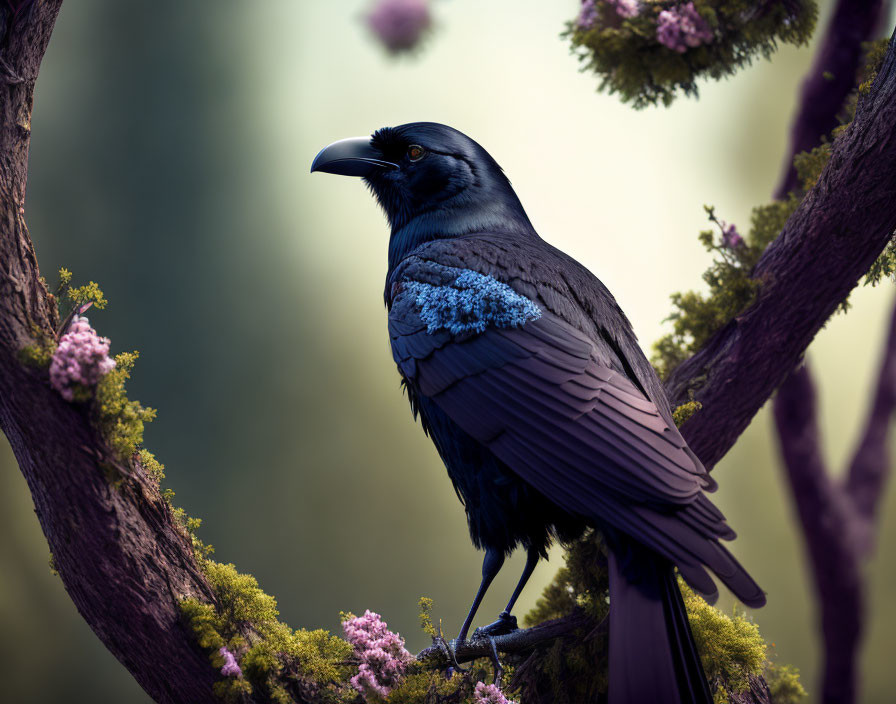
{"points": [[169, 163]]}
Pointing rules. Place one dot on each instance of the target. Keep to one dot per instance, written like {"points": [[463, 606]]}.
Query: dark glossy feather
{"points": [[552, 406]]}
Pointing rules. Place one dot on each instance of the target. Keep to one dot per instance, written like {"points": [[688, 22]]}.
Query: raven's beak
{"points": [[350, 157]]}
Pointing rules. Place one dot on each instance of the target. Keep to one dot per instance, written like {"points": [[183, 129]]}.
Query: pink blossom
{"points": [[230, 668], [489, 694], [383, 657], [81, 358], [682, 27], [587, 15], [399, 24], [730, 236], [624, 8]]}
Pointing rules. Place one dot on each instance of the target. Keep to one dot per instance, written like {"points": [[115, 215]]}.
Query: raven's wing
{"points": [[546, 400]]}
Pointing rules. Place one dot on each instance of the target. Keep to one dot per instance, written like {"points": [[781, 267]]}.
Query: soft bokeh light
{"points": [[170, 156]]}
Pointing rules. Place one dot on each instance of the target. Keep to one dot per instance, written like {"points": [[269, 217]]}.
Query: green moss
{"points": [[731, 288], [279, 657], [784, 684], [38, 354], [730, 646], [630, 61], [419, 687], [583, 582], [809, 165], [426, 623], [152, 467], [682, 413], [120, 420]]}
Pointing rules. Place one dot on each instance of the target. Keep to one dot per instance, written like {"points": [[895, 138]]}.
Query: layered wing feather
{"points": [[551, 404]]}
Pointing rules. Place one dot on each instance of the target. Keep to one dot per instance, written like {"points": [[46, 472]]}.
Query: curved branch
{"points": [[827, 519], [827, 245], [831, 79], [870, 466], [121, 557]]}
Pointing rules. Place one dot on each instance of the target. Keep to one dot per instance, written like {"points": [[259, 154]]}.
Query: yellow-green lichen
{"points": [[153, 468], [682, 413], [426, 623], [119, 419], [39, 353], [730, 645], [277, 657], [784, 684]]}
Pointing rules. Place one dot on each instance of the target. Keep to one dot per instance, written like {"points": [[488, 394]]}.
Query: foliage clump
{"points": [[120, 419], [628, 46], [40, 352], [731, 288], [784, 683], [154, 468], [731, 647], [682, 413], [277, 662]]}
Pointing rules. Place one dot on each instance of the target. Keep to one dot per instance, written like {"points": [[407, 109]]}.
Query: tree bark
{"points": [[118, 550], [119, 554], [827, 245]]}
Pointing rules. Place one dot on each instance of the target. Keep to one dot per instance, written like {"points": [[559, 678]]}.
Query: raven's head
{"points": [[432, 181]]}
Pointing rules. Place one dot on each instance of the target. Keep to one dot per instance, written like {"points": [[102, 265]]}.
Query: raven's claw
{"points": [[504, 625], [447, 648], [499, 667]]}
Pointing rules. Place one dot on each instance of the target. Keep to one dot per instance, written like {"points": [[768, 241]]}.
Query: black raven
{"points": [[529, 380]]}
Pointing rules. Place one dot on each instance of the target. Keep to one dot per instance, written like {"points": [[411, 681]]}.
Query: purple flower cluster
{"points": [[730, 236], [81, 358], [399, 24], [230, 668], [587, 15], [624, 8], [383, 657], [681, 28], [489, 694]]}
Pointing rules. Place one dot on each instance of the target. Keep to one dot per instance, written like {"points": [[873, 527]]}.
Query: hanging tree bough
{"points": [[128, 564]]}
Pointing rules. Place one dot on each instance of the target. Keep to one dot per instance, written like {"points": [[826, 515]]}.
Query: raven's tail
{"points": [[653, 657]]}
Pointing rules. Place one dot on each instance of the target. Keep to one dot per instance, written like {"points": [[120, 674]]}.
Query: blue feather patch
{"points": [[472, 303]]}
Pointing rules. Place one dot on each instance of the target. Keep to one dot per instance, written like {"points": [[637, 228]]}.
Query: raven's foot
{"points": [[448, 649], [504, 625], [496, 661]]}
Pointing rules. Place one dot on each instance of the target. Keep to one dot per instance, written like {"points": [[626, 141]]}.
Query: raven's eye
{"points": [[416, 152]]}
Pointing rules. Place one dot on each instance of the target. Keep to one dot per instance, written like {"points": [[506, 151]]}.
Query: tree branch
{"points": [[870, 465], [826, 517], [120, 554], [831, 79], [827, 245]]}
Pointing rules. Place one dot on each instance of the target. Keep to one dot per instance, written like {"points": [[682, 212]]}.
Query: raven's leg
{"points": [[507, 623], [491, 565]]}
